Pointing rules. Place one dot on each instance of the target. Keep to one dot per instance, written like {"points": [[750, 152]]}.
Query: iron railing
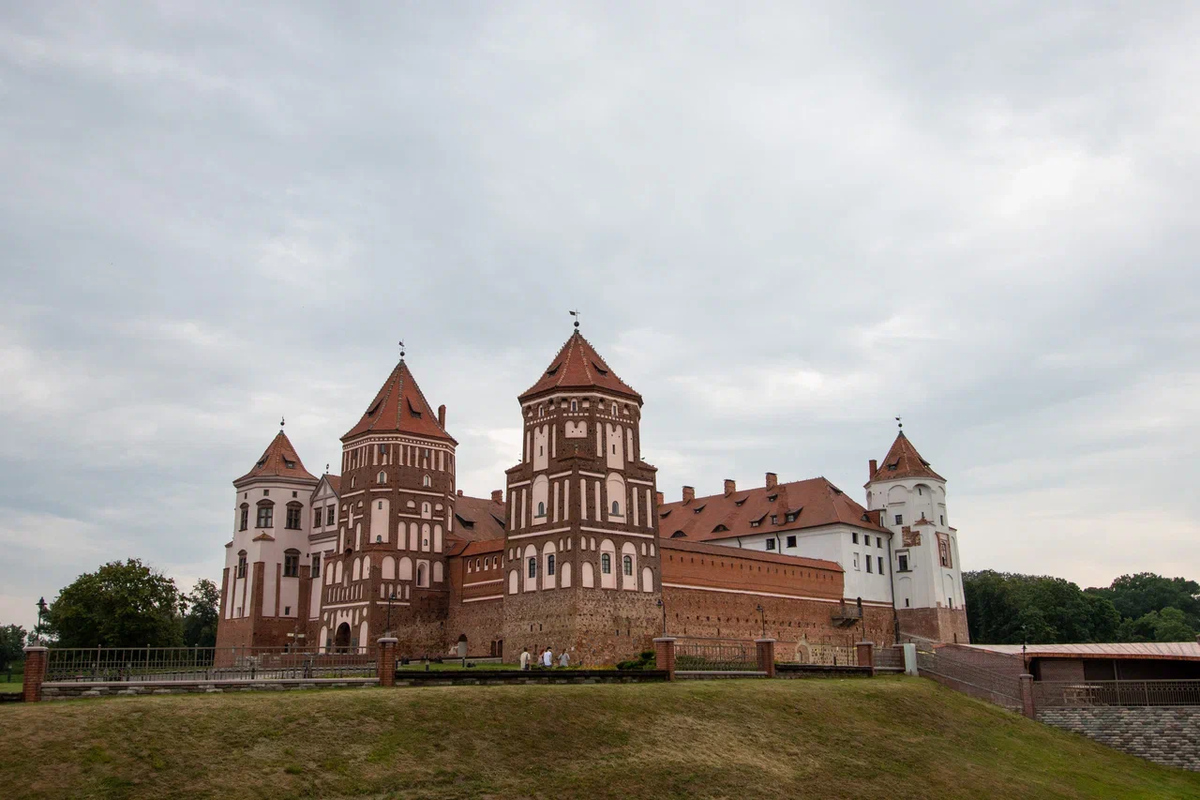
{"points": [[715, 655], [1085, 694], [158, 664]]}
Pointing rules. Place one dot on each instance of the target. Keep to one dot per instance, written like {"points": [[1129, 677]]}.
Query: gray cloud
{"points": [[783, 225]]}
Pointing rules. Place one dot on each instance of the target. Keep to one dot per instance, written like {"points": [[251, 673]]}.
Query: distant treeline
{"points": [[1009, 608]]}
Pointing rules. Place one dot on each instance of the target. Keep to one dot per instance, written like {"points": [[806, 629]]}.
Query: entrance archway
{"points": [[341, 639]]}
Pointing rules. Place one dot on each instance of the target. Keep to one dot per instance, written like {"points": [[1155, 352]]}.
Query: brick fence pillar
{"points": [[386, 668], [866, 655], [35, 673], [766, 656], [664, 655], [1027, 696]]}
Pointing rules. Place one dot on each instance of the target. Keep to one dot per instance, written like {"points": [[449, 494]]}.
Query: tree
{"points": [[119, 605], [200, 621], [1135, 596], [1009, 608], [12, 645]]}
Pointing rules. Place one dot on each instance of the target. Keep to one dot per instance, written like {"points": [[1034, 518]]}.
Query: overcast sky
{"points": [[783, 226]]}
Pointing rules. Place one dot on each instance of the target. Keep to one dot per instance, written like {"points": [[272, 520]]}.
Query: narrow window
{"points": [[899, 519], [541, 512], [880, 560], [425, 481], [550, 564], [941, 519], [381, 478], [329, 515], [902, 562], [532, 567], [770, 544], [854, 537], [869, 564], [606, 563], [616, 508], [856, 561], [627, 561], [245, 521], [241, 565], [574, 405], [316, 565], [291, 564], [316, 517]]}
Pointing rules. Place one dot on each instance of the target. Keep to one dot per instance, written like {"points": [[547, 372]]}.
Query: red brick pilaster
{"points": [[766, 656], [1027, 696], [664, 655], [386, 667], [866, 655], [35, 673]]}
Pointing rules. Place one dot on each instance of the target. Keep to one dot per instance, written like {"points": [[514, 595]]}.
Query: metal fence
{"points": [[715, 655], [1084, 694], [822, 653], [985, 684], [157, 664]]}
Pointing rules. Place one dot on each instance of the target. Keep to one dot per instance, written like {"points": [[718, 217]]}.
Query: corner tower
{"points": [[581, 550], [927, 576], [396, 508]]}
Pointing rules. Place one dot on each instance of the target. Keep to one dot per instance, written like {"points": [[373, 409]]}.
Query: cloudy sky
{"points": [[784, 226]]}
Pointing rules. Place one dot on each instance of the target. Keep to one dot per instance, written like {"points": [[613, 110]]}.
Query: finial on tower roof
{"points": [[281, 423], [327, 469], [401, 349], [575, 314], [899, 424]]}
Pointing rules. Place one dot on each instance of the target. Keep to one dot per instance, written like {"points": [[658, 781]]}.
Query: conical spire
{"points": [[399, 406], [279, 460], [903, 461], [579, 366]]}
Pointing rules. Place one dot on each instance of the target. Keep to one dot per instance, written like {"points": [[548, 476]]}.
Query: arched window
{"points": [[614, 406], [241, 564], [550, 564], [532, 567], [266, 514], [574, 405], [426, 481], [512, 582], [352, 481], [616, 508], [381, 478], [245, 517], [422, 574], [627, 565], [541, 512], [605, 564], [541, 411]]}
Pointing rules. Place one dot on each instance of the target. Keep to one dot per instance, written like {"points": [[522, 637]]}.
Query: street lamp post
{"points": [[1024, 643], [41, 629], [663, 606]]}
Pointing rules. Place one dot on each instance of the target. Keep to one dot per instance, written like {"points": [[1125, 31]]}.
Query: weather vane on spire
{"points": [[401, 349], [899, 424], [281, 423], [575, 314]]}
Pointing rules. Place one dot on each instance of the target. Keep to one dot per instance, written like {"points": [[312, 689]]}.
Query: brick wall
{"points": [[1164, 735], [935, 624], [1060, 669]]}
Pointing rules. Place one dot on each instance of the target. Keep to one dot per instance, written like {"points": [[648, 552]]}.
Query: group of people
{"points": [[545, 659]]}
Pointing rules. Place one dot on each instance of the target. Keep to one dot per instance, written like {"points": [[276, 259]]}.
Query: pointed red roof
{"points": [[399, 406], [579, 366], [279, 460], [903, 461]]}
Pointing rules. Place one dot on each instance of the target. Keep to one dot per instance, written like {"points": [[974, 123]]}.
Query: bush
{"points": [[645, 660]]}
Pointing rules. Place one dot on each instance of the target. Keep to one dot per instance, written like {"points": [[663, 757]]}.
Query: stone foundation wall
{"points": [[1168, 735], [69, 691], [935, 624], [482, 622]]}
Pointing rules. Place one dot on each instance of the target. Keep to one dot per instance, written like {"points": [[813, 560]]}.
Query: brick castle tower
{"points": [[397, 508], [581, 545]]}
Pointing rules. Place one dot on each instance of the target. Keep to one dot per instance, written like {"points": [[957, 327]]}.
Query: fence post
{"points": [[664, 655], [387, 661], [766, 656], [1027, 696], [35, 673], [866, 655]]}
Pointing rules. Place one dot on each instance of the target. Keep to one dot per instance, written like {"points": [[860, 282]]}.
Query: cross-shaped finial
{"points": [[575, 314]]}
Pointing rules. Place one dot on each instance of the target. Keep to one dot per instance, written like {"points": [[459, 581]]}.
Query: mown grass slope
{"points": [[888, 737]]}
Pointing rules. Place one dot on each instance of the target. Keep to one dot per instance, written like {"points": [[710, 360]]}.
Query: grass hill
{"points": [[888, 737]]}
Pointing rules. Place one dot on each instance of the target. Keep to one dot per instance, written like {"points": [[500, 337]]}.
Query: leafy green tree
{"points": [[1172, 626], [119, 605], [1008, 608], [1134, 596], [12, 645], [200, 621]]}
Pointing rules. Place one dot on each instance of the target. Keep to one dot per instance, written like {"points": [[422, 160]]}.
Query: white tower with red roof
{"points": [[911, 501]]}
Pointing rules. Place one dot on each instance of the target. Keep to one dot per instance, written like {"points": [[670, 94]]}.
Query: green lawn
{"points": [[14, 685], [887, 737]]}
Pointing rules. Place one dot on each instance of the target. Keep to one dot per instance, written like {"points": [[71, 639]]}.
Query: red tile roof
{"points": [[1185, 651], [478, 519], [815, 502], [757, 555], [279, 460], [335, 483], [903, 461], [399, 406], [579, 366]]}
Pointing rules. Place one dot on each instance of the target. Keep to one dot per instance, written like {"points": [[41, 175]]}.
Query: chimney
{"points": [[772, 480], [658, 498], [442, 416], [497, 495], [689, 494], [874, 469], [730, 487], [460, 492]]}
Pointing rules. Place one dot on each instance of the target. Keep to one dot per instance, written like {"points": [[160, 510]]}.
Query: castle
{"points": [[579, 552]]}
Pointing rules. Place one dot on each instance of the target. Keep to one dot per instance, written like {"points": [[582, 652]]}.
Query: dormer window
{"points": [[665, 514], [741, 502], [289, 464], [697, 509], [678, 535], [791, 517], [772, 498], [601, 370], [719, 529], [774, 519], [553, 369]]}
